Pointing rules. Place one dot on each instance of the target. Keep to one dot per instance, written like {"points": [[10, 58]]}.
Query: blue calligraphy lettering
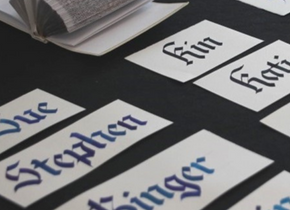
{"points": [[182, 187], [45, 167], [35, 174], [141, 204], [132, 119], [282, 202], [36, 117], [153, 193], [96, 206], [90, 140], [104, 136], [16, 126], [58, 161], [42, 107], [81, 158], [115, 132], [152, 198]]}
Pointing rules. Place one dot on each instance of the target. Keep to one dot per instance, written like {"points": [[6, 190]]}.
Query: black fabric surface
{"points": [[92, 82]]}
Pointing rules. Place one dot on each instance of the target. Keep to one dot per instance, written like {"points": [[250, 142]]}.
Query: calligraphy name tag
{"points": [[279, 120], [280, 7], [73, 152], [254, 81], [274, 195], [191, 174], [30, 114], [193, 51]]}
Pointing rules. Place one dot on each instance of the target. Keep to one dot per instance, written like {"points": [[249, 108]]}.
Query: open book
{"points": [[86, 26]]}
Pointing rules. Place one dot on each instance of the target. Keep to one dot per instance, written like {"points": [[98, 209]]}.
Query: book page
{"points": [[76, 14], [31, 7], [76, 37], [30, 114], [188, 176], [128, 28], [75, 151], [9, 16]]}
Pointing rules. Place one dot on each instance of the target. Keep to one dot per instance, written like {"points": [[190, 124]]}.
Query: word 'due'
{"points": [[30, 114]]}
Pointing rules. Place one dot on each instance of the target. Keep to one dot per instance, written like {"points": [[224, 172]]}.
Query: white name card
{"points": [[193, 51], [187, 176], [30, 114], [255, 81]]}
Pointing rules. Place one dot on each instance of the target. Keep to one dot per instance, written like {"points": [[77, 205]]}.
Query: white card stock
{"points": [[279, 120], [187, 176], [74, 151], [280, 7], [274, 195], [193, 51], [254, 81], [30, 114]]}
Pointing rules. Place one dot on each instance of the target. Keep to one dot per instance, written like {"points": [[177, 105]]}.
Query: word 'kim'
{"points": [[196, 51]]}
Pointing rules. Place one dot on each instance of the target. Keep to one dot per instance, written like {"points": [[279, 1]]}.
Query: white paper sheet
{"points": [[75, 151], [9, 16], [30, 114], [274, 195], [193, 51], [187, 176], [254, 81], [280, 7], [279, 120]]}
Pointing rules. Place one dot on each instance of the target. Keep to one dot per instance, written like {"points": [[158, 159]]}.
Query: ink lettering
{"points": [[16, 127], [36, 178], [197, 51], [269, 76]]}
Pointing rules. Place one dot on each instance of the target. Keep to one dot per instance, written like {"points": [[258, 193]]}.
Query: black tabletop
{"points": [[92, 82]]}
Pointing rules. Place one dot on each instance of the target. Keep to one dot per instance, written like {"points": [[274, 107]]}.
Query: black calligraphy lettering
{"points": [[174, 54], [248, 81], [203, 48]]}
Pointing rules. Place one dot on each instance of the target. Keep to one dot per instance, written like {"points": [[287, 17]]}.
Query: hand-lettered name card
{"points": [[30, 114], [187, 176], [75, 151], [279, 120], [254, 81], [274, 195], [193, 51], [280, 7]]}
